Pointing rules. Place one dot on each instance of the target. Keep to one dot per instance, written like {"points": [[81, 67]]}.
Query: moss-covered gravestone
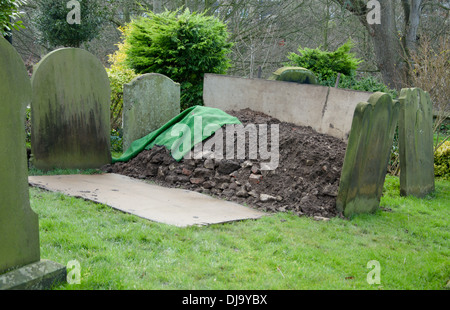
{"points": [[416, 143], [367, 156], [70, 111], [149, 102], [20, 264], [294, 74]]}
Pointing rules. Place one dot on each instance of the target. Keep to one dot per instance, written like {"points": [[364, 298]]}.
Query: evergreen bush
{"points": [[183, 46], [326, 65]]}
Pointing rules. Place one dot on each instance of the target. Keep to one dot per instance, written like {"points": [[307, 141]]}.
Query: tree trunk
{"points": [[391, 55], [412, 11], [387, 47]]}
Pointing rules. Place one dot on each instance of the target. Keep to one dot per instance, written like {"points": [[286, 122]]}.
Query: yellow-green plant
{"points": [[119, 74], [326, 65], [442, 161]]}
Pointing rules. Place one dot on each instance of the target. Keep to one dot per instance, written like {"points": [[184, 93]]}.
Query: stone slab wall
{"points": [[327, 110]]}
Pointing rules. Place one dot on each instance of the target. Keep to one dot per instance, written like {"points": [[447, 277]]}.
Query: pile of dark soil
{"points": [[305, 182]]}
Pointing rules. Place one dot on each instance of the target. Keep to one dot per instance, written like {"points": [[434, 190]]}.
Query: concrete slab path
{"points": [[171, 206]]}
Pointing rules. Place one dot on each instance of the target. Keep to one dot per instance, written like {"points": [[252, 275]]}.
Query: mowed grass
{"points": [[409, 238]]}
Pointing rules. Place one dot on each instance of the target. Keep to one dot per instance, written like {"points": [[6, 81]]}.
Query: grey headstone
{"points": [[149, 102], [19, 226], [367, 156], [416, 143], [70, 111]]}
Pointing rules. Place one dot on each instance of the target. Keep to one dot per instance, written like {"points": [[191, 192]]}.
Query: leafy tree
{"points": [[183, 46], [55, 29], [9, 12]]}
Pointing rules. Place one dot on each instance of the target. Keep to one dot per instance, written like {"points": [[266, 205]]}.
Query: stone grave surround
{"points": [[149, 102], [70, 111], [20, 263], [336, 112]]}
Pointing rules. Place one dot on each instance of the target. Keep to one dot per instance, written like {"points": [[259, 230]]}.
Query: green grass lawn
{"points": [[409, 237]]}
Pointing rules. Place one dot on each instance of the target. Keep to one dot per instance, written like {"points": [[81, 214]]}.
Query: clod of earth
{"points": [[305, 183]]}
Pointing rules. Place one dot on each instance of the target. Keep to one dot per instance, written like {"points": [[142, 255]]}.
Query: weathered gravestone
{"points": [[70, 111], [20, 264], [149, 102], [367, 157], [416, 143]]}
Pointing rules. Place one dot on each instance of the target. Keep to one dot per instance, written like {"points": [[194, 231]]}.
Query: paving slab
{"points": [[171, 206]]}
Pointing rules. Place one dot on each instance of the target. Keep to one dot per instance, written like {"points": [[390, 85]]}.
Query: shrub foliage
{"points": [[327, 65], [52, 22], [119, 74], [183, 46]]}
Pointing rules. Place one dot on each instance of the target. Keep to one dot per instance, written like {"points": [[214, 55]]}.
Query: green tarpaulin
{"points": [[182, 133]]}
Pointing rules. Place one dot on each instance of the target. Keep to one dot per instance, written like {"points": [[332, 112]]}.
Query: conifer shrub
{"points": [[181, 45]]}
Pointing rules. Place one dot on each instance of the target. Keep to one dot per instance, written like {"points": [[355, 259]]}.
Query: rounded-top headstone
{"points": [[19, 227], [70, 111]]}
